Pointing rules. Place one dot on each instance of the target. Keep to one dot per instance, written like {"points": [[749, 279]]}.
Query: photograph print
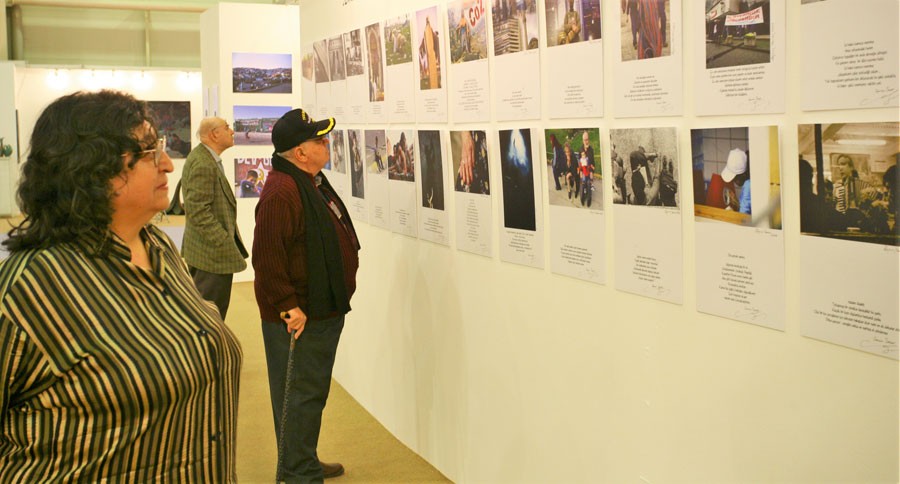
{"points": [[375, 151], [517, 170], [261, 73], [470, 162], [432, 169], [397, 41], [338, 158], [357, 164], [336, 58], [737, 33], [646, 31], [353, 53], [429, 42], [574, 167], [468, 31], [250, 176], [515, 24], [849, 181], [401, 155], [253, 124], [571, 21], [644, 166], [320, 53], [722, 162], [376, 66], [173, 120], [307, 65]]}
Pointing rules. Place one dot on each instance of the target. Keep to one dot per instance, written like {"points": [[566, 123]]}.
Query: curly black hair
{"points": [[76, 150]]}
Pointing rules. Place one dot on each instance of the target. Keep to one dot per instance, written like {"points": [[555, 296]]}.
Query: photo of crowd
{"points": [[263, 73], [470, 162], [397, 41], [375, 151], [571, 21], [468, 34], [517, 169], [721, 165], [849, 181], [573, 167], [401, 155], [644, 166], [338, 160], [253, 124], [353, 53], [515, 24], [432, 169], [250, 176], [173, 120], [336, 58], [357, 168], [737, 33], [376, 67], [645, 29], [429, 49]]}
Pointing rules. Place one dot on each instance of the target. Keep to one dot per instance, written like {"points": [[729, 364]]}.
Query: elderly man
{"points": [[305, 254], [212, 245]]}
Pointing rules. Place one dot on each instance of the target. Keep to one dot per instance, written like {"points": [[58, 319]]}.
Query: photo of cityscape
{"points": [[264, 73]]}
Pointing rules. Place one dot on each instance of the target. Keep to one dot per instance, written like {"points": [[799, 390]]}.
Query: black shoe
{"points": [[331, 470]]}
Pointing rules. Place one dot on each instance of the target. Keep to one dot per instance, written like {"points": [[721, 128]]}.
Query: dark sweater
{"points": [[279, 250]]}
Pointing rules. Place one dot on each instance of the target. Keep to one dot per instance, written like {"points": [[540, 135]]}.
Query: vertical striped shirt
{"points": [[112, 372]]}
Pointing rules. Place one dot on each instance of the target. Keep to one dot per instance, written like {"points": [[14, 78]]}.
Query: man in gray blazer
{"points": [[212, 245]]}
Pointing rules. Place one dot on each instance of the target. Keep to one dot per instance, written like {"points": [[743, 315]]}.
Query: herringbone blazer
{"points": [[212, 241]]}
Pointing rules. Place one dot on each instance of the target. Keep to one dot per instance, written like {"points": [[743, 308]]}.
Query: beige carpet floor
{"points": [[350, 435]]}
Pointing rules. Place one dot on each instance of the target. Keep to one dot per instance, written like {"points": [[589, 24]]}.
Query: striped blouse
{"points": [[112, 372]]}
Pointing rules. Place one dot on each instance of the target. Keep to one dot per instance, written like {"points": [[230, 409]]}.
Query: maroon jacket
{"points": [[279, 249]]}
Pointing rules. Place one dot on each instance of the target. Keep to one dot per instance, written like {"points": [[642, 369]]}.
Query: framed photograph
{"points": [[253, 124], [173, 120], [261, 73]]}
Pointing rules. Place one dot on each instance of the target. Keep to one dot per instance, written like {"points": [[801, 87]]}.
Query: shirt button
{"points": [[215, 437], [202, 332]]}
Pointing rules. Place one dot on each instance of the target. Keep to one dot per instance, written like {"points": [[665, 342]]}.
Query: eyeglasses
{"points": [[157, 152]]}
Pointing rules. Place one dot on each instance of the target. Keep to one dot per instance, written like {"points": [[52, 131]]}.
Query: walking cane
{"points": [[279, 472]]}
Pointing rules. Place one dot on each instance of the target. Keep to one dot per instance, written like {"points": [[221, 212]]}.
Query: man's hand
{"points": [[467, 159], [295, 319]]}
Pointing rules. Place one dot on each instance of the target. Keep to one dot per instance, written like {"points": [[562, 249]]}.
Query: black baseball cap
{"points": [[295, 127]]}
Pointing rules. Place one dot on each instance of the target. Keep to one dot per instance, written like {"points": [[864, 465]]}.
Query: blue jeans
{"points": [[313, 360]]}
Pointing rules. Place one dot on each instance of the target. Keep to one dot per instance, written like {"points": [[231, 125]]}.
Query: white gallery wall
{"points": [[496, 372]]}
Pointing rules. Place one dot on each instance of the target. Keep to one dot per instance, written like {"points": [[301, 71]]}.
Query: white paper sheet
{"points": [[522, 228], [356, 161], [849, 53], [432, 165], [648, 84], [848, 294], [473, 190], [357, 93], [375, 77], [739, 241], [431, 49], [517, 75], [377, 191], [401, 159], [740, 66], [469, 70], [399, 71], [577, 225], [574, 59]]}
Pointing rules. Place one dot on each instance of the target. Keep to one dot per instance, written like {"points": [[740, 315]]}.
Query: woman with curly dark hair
{"points": [[112, 367]]}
